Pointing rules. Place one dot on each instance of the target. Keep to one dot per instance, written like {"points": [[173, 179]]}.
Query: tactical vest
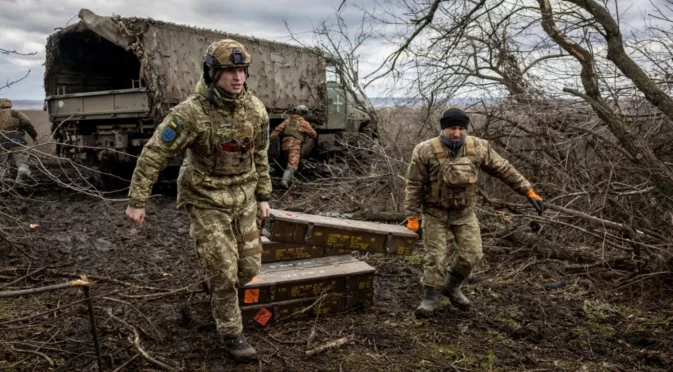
{"points": [[231, 141], [10, 129], [292, 130], [455, 184], [9, 120]]}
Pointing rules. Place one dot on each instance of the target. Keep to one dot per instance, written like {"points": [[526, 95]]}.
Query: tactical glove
{"points": [[412, 224], [536, 201]]}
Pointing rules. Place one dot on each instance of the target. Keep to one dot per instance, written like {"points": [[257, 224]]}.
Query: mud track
{"points": [[515, 324]]}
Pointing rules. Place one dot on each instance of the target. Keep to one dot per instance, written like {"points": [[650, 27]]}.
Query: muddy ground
{"points": [[515, 324]]}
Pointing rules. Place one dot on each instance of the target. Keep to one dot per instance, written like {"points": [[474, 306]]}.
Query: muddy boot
{"points": [[453, 292], [429, 304], [239, 349], [287, 177]]}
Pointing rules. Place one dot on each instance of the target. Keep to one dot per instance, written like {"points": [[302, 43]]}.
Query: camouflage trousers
{"points": [[465, 229], [293, 155], [19, 158], [229, 249]]}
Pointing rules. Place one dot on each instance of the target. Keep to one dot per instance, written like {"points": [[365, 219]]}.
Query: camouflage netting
{"points": [[171, 55]]}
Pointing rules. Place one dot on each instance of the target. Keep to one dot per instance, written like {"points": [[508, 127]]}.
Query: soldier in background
{"points": [[441, 187], [293, 131], [13, 128], [224, 180]]}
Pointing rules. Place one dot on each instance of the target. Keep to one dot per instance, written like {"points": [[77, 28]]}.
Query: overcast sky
{"points": [[26, 24]]}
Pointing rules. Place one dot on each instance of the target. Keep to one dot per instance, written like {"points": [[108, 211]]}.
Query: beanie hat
{"points": [[454, 117]]}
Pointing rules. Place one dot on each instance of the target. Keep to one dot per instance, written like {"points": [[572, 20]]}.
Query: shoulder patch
{"points": [[172, 130], [412, 170]]}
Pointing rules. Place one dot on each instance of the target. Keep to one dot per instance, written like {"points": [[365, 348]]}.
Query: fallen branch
{"points": [[126, 363], [17, 248], [51, 362], [330, 345], [141, 314], [135, 340], [49, 288], [53, 310], [24, 277], [107, 279], [157, 296], [589, 218]]}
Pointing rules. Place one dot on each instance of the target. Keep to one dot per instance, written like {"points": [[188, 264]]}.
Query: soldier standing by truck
{"points": [[441, 187], [13, 127], [294, 131], [224, 180]]}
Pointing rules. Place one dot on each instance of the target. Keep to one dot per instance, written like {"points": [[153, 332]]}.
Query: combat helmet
{"points": [[223, 54], [301, 110]]}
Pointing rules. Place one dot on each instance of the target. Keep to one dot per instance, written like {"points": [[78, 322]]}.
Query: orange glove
{"points": [[536, 201], [412, 224]]}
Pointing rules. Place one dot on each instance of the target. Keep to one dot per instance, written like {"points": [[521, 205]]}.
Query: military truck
{"points": [[110, 81]]}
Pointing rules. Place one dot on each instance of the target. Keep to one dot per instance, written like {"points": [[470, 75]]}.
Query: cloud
{"points": [[25, 25]]}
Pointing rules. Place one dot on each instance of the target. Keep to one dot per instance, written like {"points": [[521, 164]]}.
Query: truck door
{"points": [[336, 101]]}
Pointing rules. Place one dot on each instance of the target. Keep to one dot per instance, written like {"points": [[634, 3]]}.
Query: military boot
{"points": [[453, 292], [239, 349], [287, 177], [429, 304]]}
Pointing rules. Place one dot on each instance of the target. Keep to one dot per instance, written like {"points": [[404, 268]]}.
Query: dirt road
{"points": [[515, 325]]}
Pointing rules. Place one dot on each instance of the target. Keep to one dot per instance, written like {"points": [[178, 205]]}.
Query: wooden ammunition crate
{"points": [[262, 315], [291, 280], [275, 251], [337, 233]]}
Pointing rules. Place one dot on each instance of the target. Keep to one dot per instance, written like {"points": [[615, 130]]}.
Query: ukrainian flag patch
{"points": [[171, 131]]}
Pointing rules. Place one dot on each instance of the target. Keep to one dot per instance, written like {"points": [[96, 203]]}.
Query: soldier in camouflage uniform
{"points": [[223, 182], [441, 187], [294, 131], [13, 127]]}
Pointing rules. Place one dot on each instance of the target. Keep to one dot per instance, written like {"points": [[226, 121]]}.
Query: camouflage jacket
{"points": [[293, 134], [14, 125], [226, 161], [439, 181]]}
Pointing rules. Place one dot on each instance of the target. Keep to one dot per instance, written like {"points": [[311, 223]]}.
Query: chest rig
{"points": [[454, 185], [10, 129], [9, 120], [230, 139], [292, 130]]}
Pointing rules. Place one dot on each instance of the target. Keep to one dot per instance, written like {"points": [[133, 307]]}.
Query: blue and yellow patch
{"points": [[171, 131]]}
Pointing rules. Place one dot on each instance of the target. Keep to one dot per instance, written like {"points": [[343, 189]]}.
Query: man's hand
{"points": [[263, 209], [136, 215], [412, 224], [536, 201]]}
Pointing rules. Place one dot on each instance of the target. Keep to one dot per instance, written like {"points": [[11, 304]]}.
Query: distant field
{"points": [[40, 120]]}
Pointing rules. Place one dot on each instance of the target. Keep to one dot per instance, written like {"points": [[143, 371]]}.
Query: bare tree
{"points": [[595, 155]]}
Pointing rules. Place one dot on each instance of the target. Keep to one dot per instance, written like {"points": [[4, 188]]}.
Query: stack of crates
{"points": [[307, 268]]}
